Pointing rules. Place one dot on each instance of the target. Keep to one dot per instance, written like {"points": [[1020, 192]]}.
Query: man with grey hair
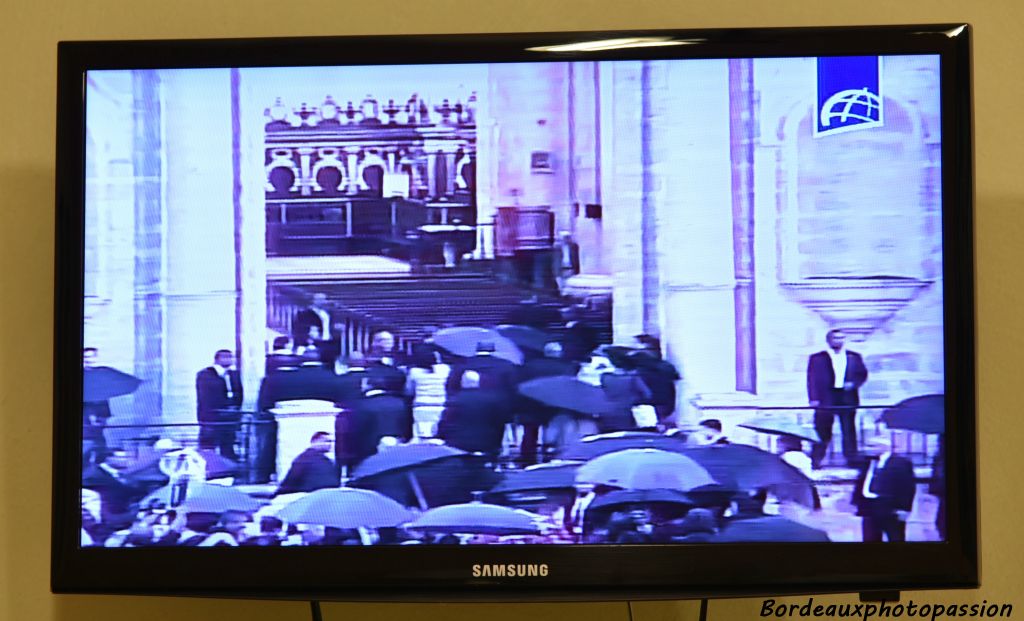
{"points": [[530, 414], [884, 493], [474, 419]]}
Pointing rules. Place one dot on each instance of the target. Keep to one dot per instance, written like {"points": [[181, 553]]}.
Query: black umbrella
{"points": [[103, 383], [643, 497], [567, 393], [463, 341], [926, 414], [553, 475], [602, 444], [425, 475], [769, 528], [747, 468], [525, 337], [477, 518], [777, 427], [346, 508]]}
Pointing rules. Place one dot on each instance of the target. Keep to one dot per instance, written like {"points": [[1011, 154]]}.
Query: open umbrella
{"points": [[103, 383], [218, 466], [567, 393], [462, 341], [553, 475], [642, 497], [206, 498], [525, 337], [425, 475], [644, 469], [346, 507], [781, 427], [769, 528], [477, 518], [602, 444], [747, 468], [926, 414]]}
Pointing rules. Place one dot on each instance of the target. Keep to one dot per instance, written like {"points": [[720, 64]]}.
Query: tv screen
{"points": [[462, 313]]}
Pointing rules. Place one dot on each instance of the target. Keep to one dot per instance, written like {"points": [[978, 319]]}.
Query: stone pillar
{"points": [[590, 131], [150, 230], [690, 186], [352, 155], [449, 167], [624, 197], [109, 304], [201, 261], [431, 173], [250, 209]]}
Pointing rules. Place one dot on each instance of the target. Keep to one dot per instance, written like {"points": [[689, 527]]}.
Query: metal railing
{"points": [[250, 432], [919, 447]]}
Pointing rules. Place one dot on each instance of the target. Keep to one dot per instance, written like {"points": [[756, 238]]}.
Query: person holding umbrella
{"points": [[95, 415], [99, 385]]}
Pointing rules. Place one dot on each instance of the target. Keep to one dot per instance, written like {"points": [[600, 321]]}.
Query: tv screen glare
{"points": [[558, 315]]}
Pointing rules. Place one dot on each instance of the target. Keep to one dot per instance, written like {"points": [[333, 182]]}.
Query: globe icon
{"points": [[858, 105]]}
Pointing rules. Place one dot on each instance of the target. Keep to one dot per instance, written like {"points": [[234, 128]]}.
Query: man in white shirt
{"points": [[884, 495], [218, 391], [834, 377], [315, 315]]}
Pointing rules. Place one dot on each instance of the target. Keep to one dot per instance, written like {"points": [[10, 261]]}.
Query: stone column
{"points": [[150, 230], [624, 198], [690, 187], [109, 304], [251, 226], [201, 261], [352, 159]]}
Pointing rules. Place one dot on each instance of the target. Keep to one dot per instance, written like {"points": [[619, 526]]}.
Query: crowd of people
{"points": [[426, 393]]}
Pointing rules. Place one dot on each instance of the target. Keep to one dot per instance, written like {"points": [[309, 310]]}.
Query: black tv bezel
{"points": [[590, 572]]}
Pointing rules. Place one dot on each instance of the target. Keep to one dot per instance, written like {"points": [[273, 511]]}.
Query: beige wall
{"points": [[28, 35]]}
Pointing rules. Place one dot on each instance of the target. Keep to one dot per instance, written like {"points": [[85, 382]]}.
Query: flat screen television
{"points": [[553, 316]]}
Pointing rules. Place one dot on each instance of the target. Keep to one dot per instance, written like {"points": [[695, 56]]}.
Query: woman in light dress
{"points": [[426, 385]]}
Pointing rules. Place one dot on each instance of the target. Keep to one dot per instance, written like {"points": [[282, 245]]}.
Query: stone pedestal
{"points": [[297, 421]]}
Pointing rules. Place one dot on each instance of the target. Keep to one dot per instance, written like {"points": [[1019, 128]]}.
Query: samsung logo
{"points": [[510, 570]]}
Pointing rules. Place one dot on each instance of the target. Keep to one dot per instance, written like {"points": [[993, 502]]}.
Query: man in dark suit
{"points": [[884, 495], [382, 362], [282, 355], [530, 414], [496, 374], [565, 259], [391, 412], [118, 492], [314, 315], [218, 390], [348, 382], [475, 418], [834, 377], [377, 415], [312, 469], [658, 374]]}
